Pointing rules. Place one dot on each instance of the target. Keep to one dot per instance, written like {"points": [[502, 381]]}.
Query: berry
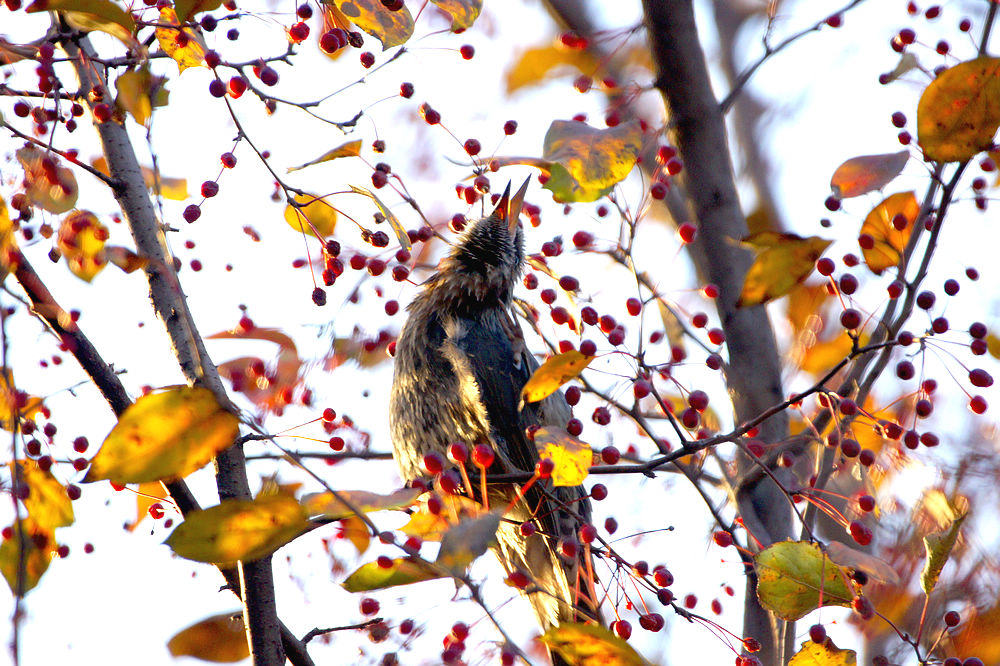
{"points": [[623, 629], [980, 378], [658, 191], [467, 51], [641, 388], [472, 146], [433, 463], [952, 618], [633, 306], [228, 160], [192, 213], [905, 370], [850, 319], [925, 300], [687, 232], [977, 404], [610, 525], [216, 88], [610, 455], [863, 607], [268, 76], [209, 189], [237, 86], [510, 127], [866, 503], [483, 455], [817, 633], [367, 59], [860, 532], [319, 296], [722, 539], [369, 606]]}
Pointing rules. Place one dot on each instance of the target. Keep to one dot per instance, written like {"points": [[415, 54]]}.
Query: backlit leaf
{"points": [[11, 52], [432, 526], [783, 261], [463, 12], [805, 307], [139, 92], [571, 456], [48, 185], [390, 28], [221, 639], [867, 173], [91, 15], [403, 571], [792, 575], [907, 63], [239, 530], [47, 503], [823, 654], [36, 559], [853, 558], [330, 507], [957, 116], [586, 163], [313, 213], [186, 9], [14, 402], [978, 635], [8, 242], [591, 645], [174, 189], [535, 65], [390, 217], [164, 435], [553, 373], [939, 544], [81, 240], [823, 355], [889, 240], [349, 149], [185, 46], [464, 542], [124, 258], [356, 531]]}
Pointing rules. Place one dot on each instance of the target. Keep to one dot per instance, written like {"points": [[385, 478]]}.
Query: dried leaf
{"points": [[349, 149], [783, 261], [221, 639], [553, 373], [907, 63], [586, 163], [792, 574], [92, 15], [463, 543], [46, 502], [390, 217], [332, 508], [572, 457], [81, 241], [889, 239], [164, 435], [591, 645], [940, 544], [404, 571], [185, 46], [463, 12], [48, 185], [957, 116], [390, 28], [314, 215], [823, 654], [867, 173], [533, 66], [239, 530]]}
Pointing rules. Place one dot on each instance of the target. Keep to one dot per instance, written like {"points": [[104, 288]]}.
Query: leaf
{"points": [[14, 403], [146, 495], [404, 571], [48, 185], [591, 645], [174, 189], [47, 503], [535, 65], [81, 240], [889, 240], [356, 531], [805, 307], [124, 258], [390, 28], [957, 115], [11, 52], [867, 173], [553, 373], [571, 456], [432, 527], [939, 544], [783, 261], [330, 507], [978, 634], [823, 654], [463, 543], [221, 639], [349, 149], [186, 9], [587, 162], [8, 242], [792, 574], [164, 435], [237, 530], [823, 355], [36, 559], [139, 92], [463, 12], [91, 15], [875, 567], [907, 63], [185, 46], [390, 217], [313, 213]]}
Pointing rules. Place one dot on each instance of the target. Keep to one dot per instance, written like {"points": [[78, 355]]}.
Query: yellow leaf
{"points": [[186, 9], [556, 371], [36, 559], [466, 541], [349, 149], [239, 530], [221, 639], [81, 240], [586, 163], [784, 261], [867, 173], [164, 435], [48, 185], [889, 225], [139, 91], [939, 544], [46, 502], [805, 306], [535, 65], [356, 531], [332, 508], [432, 526], [571, 456], [823, 654], [403, 571], [14, 403], [791, 576], [390, 217], [591, 645], [185, 46], [390, 28], [8, 243], [957, 116], [978, 634], [146, 495], [92, 15], [463, 12], [993, 345], [822, 356], [313, 213], [174, 189]]}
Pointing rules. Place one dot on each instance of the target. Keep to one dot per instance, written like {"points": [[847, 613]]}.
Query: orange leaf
{"points": [[978, 635], [805, 306], [867, 173], [48, 185], [185, 46], [81, 240], [467, 540], [957, 115], [535, 65], [889, 225], [221, 639], [356, 531], [124, 258], [15, 403], [174, 189], [783, 261], [571, 456], [432, 526], [332, 508], [556, 371], [390, 28]]}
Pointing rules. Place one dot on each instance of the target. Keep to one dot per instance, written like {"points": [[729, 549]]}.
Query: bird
{"points": [[460, 364]]}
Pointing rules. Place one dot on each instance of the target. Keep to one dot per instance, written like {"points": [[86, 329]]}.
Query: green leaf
{"points": [[939, 545], [958, 114], [793, 574], [404, 571], [589, 162], [239, 530], [591, 645], [186, 9], [91, 15], [164, 435]]}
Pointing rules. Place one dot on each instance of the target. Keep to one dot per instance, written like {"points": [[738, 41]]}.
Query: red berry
{"points": [[633, 306], [433, 463], [209, 189], [980, 378], [268, 76], [216, 88], [483, 455], [623, 629], [817, 633], [658, 191], [237, 86], [641, 388], [687, 232], [369, 606], [977, 404], [860, 532], [866, 503], [510, 127], [472, 146], [850, 319], [467, 51], [610, 455], [544, 467], [192, 213], [722, 539]]}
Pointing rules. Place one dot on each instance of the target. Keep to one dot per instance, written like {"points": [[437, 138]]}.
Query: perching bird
{"points": [[460, 365]]}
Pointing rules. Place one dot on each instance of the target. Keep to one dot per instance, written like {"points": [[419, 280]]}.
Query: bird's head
{"points": [[487, 260]]}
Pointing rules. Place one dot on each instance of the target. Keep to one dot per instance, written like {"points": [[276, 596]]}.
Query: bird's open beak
{"points": [[509, 207]]}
